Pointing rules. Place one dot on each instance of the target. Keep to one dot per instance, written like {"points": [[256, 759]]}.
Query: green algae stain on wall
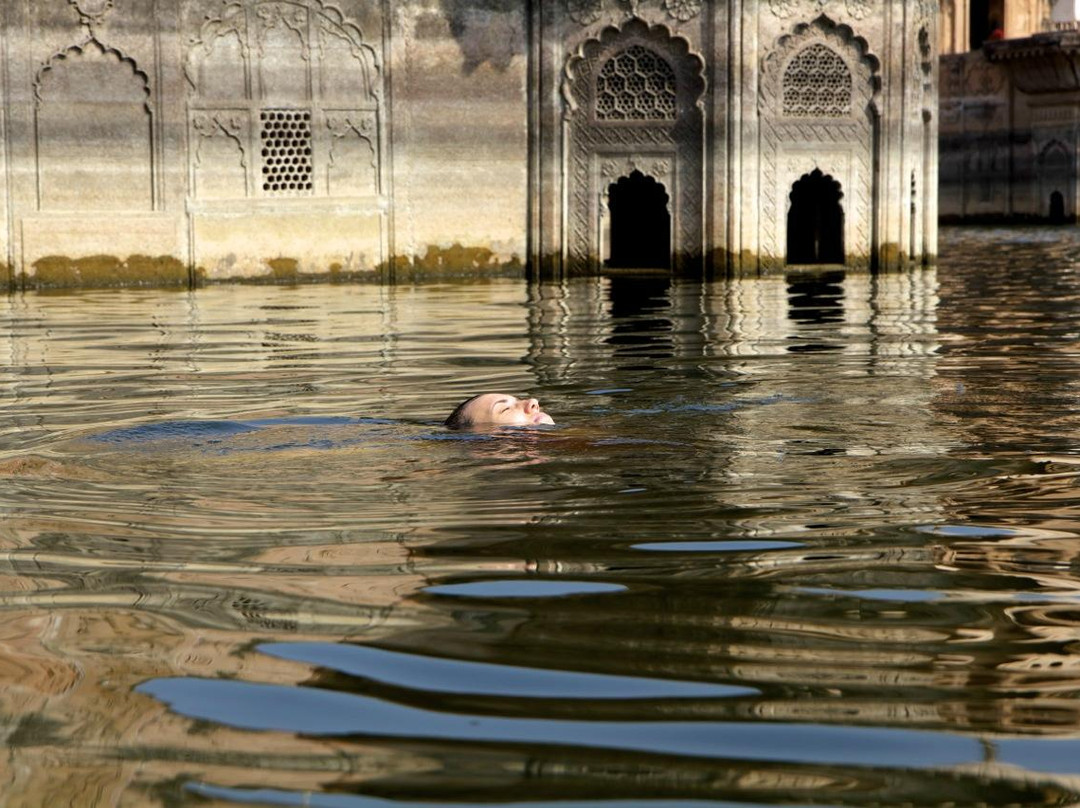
{"points": [[284, 270], [454, 261], [104, 271]]}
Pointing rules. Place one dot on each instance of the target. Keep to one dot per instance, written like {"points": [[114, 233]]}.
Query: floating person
{"points": [[497, 409]]}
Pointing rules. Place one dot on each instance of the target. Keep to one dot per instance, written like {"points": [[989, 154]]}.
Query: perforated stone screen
{"points": [[636, 85], [817, 84], [286, 152]]}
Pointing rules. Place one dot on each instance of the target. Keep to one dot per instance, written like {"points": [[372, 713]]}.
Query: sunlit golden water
{"points": [[795, 541]]}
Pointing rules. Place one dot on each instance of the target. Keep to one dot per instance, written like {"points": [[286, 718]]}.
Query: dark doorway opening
{"points": [[1057, 208], [815, 224], [986, 20], [640, 224]]}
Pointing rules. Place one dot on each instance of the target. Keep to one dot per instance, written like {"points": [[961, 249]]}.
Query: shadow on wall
{"points": [[490, 31]]}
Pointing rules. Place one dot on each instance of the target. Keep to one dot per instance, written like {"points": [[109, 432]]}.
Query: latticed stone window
{"points": [[817, 84], [636, 85], [286, 152]]}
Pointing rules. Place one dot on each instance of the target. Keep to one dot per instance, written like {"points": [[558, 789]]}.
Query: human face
{"points": [[504, 410]]}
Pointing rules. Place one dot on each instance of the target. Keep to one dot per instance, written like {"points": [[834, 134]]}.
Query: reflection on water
{"points": [[800, 540]]}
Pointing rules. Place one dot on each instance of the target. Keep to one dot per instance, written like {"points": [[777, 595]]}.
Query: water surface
{"points": [[801, 540]]}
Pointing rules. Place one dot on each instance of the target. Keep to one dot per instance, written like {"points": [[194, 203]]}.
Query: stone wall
{"points": [[168, 141]]}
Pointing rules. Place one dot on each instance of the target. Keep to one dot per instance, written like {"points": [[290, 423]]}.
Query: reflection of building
{"points": [[1009, 128], [150, 140]]}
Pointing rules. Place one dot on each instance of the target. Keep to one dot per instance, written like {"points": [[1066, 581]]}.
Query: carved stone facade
{"points": [[148, 140], [763, 95], [167, 139]]}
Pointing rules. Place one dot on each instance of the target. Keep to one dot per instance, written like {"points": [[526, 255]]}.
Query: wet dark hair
{"points": [[457, 419]]}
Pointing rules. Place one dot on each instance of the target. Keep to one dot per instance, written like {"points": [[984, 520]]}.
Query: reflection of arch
{"points": [[93, 131], [640, 223], [1057, 208], [657, 118], [815, 224]]}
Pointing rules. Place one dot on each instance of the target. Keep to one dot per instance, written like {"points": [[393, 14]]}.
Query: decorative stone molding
{"points": [[228, 122], [659, 168], [272, 16], [314, 22], [303, 72], [683, 10], [586, 12], [786, 9], [232, 124], [360, 124], [94, 49], [92, 12]]}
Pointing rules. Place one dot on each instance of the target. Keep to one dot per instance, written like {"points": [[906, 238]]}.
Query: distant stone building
{"points": [[1010, 114], [153, 140]]}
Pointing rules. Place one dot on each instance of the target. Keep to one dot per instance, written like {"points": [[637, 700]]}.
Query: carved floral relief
{"points": [[586, 12]]}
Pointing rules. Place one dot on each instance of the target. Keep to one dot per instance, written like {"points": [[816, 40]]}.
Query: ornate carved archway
{"points": [[818, 112], [633, 103]]}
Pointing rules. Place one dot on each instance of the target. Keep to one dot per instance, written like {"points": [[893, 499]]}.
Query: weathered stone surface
{"points": [[364, 137]]}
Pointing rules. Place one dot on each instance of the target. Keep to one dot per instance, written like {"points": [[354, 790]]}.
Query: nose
{"points": [[532, 406]]}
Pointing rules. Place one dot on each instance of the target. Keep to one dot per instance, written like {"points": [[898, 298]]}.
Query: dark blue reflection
{"points": [[308, 799], [523, 589], [321, 712], [457, 676], [748, 545], [175, 430], [196, 431]]}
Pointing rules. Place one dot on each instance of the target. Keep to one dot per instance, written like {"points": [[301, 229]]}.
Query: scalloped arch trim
{"points": [[804, 31], [659, 34], [95, 50]]}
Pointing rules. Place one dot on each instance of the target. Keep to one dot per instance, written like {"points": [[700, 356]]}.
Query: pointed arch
{"points": [[93, 126], [47, 75]]}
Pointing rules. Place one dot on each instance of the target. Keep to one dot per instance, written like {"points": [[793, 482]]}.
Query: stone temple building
{"points": [[1010, 111], [177, 140]]}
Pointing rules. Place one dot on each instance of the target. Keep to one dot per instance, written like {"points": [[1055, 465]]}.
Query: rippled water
{"points": [[804, 540]]}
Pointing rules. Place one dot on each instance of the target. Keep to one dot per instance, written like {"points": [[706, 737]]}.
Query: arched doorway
{"points": [[815, 222], [1057, 208], [625, 98], [640, 223]]}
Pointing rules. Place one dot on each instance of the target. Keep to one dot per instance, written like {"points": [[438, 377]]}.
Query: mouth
{"points": [[543, 418]]}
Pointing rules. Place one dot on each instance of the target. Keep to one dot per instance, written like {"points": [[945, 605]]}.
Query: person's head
{"points": [[497, 409]]}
